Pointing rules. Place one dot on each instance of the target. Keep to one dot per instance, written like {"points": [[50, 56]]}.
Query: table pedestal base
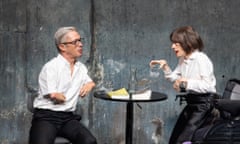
{"points": [[129, 123]]}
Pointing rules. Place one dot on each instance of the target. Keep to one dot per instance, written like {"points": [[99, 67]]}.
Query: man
{"points": [[194, 72], [62, 81]]}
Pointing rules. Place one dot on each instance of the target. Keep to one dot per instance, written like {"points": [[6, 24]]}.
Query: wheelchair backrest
{"points": [[232, 90]]}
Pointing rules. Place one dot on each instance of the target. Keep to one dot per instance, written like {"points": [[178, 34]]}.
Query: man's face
{"points": [[72, 45], [178, 50]]}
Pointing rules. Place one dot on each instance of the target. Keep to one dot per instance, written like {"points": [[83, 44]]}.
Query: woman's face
{"points": [[178, 50]]}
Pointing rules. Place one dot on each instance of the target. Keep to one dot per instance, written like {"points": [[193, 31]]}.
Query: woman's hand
{"points": [[178, 82], [162, 64]]}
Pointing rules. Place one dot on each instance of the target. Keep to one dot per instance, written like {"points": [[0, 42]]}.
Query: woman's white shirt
{"points": [[198, 70]]}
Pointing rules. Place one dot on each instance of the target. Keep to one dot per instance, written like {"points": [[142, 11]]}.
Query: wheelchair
{"points": [[223, 123]]}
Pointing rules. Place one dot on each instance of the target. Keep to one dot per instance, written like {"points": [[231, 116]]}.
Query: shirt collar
{"points": [[65, 61], [191, 57], [194, 54]]}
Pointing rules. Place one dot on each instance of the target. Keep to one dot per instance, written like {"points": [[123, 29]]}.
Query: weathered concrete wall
{"points": [[119, 34], [13, 112]]}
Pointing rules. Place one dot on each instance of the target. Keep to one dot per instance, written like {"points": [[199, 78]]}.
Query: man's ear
{"points": [[62, 47]]}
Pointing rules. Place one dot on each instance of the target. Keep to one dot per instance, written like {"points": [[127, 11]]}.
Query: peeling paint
{"points": [[11, 114], [115, 66]]}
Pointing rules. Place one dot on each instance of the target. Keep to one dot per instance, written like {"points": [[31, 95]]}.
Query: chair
{"points": [[229, 105], [226, 129], [32, 94]]}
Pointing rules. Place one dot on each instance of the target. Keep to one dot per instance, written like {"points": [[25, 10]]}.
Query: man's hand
{"points": [[57, 98], [86, 89]]}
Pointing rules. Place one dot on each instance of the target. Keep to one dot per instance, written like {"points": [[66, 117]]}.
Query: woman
{"points": [[194, 72]]}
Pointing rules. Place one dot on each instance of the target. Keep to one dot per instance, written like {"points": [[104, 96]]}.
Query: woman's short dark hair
{"points": [[188, 38]]}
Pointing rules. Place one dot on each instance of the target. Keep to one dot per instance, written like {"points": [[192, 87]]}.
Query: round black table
{"points": [[155, 96]]}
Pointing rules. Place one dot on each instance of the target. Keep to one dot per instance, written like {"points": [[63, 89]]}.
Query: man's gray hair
{"points": [[61, 32]]}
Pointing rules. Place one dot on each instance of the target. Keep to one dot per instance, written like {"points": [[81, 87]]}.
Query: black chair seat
{"points": [[230, 106]]}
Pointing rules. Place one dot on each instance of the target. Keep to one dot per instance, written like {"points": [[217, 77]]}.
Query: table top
{"points": [[155, 96]]}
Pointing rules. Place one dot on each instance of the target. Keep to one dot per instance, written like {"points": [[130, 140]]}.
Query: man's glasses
{"points": [[75, 42]]}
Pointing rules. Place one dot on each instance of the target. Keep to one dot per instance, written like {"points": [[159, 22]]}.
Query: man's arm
{"points": [[56, 97], [86, 88]]}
